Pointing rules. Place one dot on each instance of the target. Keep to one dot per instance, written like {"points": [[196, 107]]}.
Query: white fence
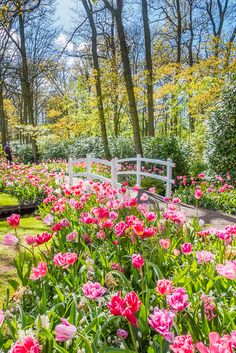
{"points": [[115, 166]]}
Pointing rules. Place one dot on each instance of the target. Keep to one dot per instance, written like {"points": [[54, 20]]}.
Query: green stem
{"points": [[142, 279], [25, 247], [87, 341], [132, 336], [196, 208]]}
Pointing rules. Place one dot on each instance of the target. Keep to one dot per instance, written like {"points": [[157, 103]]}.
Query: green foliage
{"points": [[52, 150], [221, 132], [121, 147], [171, 147], [23, 152]]}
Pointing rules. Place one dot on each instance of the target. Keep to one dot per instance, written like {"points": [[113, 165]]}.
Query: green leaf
{"points": [[13, 283]]}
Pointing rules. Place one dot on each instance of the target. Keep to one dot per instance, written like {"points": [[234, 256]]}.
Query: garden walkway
{"points": [[211, 218]]}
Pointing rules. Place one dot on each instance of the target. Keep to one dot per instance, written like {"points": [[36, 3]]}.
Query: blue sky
{"points": [[64, 12]]}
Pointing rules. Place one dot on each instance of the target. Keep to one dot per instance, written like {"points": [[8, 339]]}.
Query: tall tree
{"points": [[89, 11], [217, 11], [3, 49], [148, 55], [117, 12], [15, 10]]}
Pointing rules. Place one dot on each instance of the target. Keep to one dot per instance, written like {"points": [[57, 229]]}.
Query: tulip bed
{"points": [[217, 193], [110, 275], [29, 183]]}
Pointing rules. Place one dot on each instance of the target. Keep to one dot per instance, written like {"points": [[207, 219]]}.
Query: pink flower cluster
{"points": [[217, 344], [65, 260], [164, 287], [178, 299], [28, 345], [93, 290], [227, 270], [137, 261], [162, 321], [39, 239], [209, 306], [39, 271], [125, 307], [182, 344], [204, 256]]}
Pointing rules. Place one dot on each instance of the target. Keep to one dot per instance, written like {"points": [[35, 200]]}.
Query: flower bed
{"points": [[113, 276], [217, 194], [29, 183]]}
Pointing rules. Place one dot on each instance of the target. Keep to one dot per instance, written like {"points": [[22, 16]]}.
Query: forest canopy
{"points": [[123, 69]]}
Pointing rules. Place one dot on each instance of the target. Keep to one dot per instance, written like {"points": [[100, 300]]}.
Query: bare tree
{"points": [[117, 13], [89, 11], [148, 54]]}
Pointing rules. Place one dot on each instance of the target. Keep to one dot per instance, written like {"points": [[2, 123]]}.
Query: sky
{"points": [[64, 12]]}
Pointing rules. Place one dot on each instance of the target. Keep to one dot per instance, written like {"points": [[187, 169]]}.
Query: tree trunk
{"points": [[127, 73], [2, 117], [116, 83], [179, 31], [28, 114], [88, 8], [190, 49], [148, 53]]}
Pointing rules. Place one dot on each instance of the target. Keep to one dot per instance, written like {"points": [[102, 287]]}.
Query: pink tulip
{"points": [[176, 252], [144, 197], [186, 248], [123, 334], [178, 300], [162, 321], [10, 240], [93, 290], [30, 239], [183, 344], [204, 256], [71, 236], [164, 243], [2, 316], [176, 200], [65, 331], [164, 286], [217, 344], [198, 194], [228, 270], [65, 260], [28, 345], [48, 220], [137, 261], [39, 271], [13, 220]]}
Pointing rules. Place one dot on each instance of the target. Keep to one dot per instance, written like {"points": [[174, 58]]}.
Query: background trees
{"points": [[124, 69]]}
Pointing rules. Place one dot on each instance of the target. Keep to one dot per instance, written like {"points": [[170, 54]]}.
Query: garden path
{"points": [[211, 218]]}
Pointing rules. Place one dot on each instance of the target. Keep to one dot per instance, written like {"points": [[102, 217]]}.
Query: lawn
{"points": [[28, 225], [8, 200]]}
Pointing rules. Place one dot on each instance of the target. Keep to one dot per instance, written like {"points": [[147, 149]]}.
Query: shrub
{"points": [[54, 150], [169, 147], [121, 147], [221, 132], [23, 153]]}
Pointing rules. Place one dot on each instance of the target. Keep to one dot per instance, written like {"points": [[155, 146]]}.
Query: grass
{"points": [[8, 200], [28, 225]]}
